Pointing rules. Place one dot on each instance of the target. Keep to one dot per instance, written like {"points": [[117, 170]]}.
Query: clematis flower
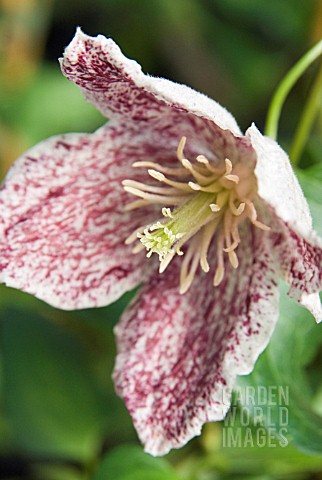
{"points": [[169, 194]]}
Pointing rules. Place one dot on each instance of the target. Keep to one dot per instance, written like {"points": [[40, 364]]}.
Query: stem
{"points": [[310, 111], [285, 87]]}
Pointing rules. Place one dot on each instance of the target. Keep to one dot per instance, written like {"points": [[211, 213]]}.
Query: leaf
{"points": [[53, 403], [53, 105], [284, 366], [129, 462], [311, 183]]}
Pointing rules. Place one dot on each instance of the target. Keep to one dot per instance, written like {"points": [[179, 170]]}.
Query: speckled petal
{"points": [[117, 86], [278, 185], [300, 263], [63, 224], [178, 355]]}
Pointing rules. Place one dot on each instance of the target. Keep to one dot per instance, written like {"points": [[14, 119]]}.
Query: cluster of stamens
{"points": [[209, 200]]}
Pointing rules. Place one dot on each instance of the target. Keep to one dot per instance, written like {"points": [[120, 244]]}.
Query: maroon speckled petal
{"points": [[300, 262], [179, 354], [117, 86], [63, 224]]}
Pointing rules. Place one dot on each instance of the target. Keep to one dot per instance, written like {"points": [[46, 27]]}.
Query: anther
{"points": [[214, 207], [166, 212], [219, 275], [157, 175], [204, 264], [202, 159], [233, 259], [186, 164], [229, 166], [194, 186], [232, 178]]}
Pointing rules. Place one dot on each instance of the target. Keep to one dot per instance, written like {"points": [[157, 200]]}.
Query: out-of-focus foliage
{"points": [[59, 416]]}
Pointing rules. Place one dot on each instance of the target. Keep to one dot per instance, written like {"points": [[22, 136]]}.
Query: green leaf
{"points": [[129, 462], [53, 403], [54, 105], [284, 366], [311, 183]]}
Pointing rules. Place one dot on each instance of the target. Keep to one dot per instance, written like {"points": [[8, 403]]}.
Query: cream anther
{"points": [[232, 178], [219, 275], [166, 212], [229, 166], [233, 259], [204, 264], [157, 175], [186, 163], [194, 186], [202, 159], [214, 207]]}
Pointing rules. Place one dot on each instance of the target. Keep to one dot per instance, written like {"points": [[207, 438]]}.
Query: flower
{"points": [[170, 177]]}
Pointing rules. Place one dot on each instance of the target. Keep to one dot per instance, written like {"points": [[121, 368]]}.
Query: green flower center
{"points": [[210, 203]]}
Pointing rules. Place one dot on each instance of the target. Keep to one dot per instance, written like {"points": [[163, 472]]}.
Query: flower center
{"points": [[210, 203]]}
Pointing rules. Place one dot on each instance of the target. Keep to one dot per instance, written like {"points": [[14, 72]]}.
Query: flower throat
{"points": [[209, 203]]}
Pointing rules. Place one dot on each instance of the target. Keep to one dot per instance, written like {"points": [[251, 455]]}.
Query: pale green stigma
{"points": [[158, 238], [183, 223]]}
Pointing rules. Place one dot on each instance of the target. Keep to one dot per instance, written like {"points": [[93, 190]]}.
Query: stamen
{"points": [[165, 200], [227, 228], [232, 178], [204, 201], [237, 211], [233, 259], [253, 217], [166, 212], [138, 248], [232, 247], [262, 226], [214, 207], [235, 233], [186, 277], [202, 159], [220, 270], [194, 186], [162, 178], [214, 187], [134, 235], [166, 260], [207, 235], [168, 170], [180, 148], [203, 179], [149, 188], [229, 166], [136, 204], [252, 210]]}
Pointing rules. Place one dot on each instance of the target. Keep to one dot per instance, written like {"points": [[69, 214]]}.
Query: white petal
{"points": [[117, 86], [62, 220], [278, 185], [178, 355]]}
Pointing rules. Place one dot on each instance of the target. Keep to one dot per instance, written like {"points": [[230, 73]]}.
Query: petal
{"points": [[278, 185], [179, 354], [63, 224], [117, 86], [300, 263]]}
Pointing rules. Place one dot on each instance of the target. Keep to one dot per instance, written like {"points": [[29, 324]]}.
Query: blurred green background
{"points": [[59, 416]]}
